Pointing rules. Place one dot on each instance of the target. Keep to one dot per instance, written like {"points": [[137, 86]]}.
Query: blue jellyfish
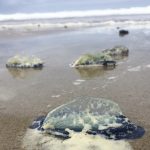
{"points": [[96, 116]]}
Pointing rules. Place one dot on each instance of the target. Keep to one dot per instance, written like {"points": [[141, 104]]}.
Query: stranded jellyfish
{"points": [[96, 116]]}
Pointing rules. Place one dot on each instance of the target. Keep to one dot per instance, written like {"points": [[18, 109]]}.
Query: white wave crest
{"points": [[40, 26], [72, 14]]}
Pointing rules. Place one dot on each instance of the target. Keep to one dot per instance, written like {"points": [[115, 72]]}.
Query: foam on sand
{"points": [[55, 96], [35, 140], [135, 69], [148, 66], [112, 77], [78, 82]]}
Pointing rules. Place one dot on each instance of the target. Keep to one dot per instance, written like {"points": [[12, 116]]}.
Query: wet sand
{"points": [[26, 94]]}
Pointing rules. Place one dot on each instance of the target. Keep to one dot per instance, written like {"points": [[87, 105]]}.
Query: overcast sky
{"points": [[31, 6]]}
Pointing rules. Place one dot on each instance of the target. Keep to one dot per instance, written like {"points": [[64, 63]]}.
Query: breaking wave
{"points": [[72, 14], [43, 26]]}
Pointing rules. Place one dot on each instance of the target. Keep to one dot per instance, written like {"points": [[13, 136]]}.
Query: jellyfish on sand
{"points": [[96, 116], [24, 62]]}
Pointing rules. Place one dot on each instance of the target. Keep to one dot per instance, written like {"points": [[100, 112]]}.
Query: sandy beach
{"points": [[27, 94]]}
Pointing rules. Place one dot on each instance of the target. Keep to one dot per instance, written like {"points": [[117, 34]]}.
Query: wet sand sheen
{"points": [[33, 91]]}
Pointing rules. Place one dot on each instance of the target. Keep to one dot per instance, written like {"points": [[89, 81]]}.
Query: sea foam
{"points": [[79, 141], [77, 13], [73, 24], [138, 17]]}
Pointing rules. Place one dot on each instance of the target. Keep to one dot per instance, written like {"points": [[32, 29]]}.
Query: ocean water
{"points": [[121, 17], [76, 13]]}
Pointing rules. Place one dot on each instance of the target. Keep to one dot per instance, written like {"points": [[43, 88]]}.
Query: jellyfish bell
{"points": [[24, 62], [96, 116]]}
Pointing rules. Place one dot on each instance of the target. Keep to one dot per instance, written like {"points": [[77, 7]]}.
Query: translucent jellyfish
{"points": [[96, 116], [24, 62]]}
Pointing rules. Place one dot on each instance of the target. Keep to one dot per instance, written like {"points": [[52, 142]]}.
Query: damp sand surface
{"points": [[26, 94]]}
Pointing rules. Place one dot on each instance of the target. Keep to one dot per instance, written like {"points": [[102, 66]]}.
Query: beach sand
{"points": [[26, 94]]}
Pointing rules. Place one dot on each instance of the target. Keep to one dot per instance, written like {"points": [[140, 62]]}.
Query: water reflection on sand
{"points": [[23, 73], [93, 72]]}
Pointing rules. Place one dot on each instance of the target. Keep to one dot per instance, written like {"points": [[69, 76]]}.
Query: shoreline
{"points": [[33, 93]]}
